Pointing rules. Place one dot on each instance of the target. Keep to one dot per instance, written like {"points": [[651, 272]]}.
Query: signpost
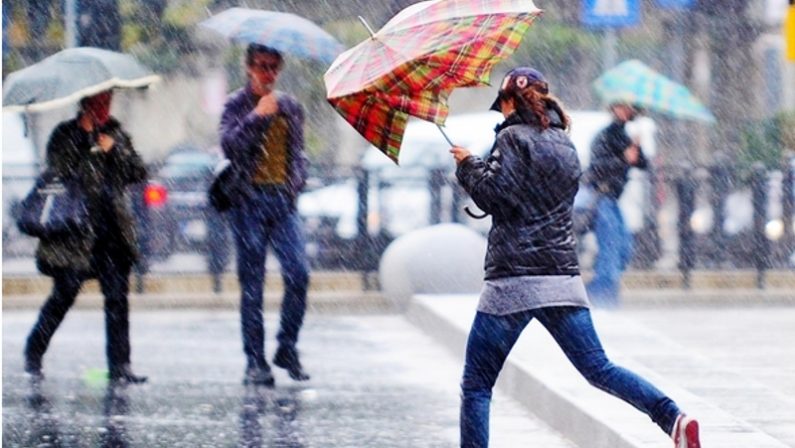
{"points": [[609, 15], [675, 4]]}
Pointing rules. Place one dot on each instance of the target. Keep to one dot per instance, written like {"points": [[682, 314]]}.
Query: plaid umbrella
{"points": [[412, 64], [635, 83], [285, 32]]}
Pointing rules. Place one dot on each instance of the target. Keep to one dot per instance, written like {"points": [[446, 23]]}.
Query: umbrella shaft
{"points": [[445, 135], [367, 25]]}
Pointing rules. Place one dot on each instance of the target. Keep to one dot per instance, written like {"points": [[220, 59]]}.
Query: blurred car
{"points": [[20, 168], [179, 217]]}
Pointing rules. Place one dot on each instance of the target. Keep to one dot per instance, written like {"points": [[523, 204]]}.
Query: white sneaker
{"points": [[685, 433]]}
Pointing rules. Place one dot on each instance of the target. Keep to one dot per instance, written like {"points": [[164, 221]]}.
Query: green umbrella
{"points": [[635, 83]]}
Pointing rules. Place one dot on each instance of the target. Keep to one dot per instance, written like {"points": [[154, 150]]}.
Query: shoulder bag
{"points": [[54, 208]]}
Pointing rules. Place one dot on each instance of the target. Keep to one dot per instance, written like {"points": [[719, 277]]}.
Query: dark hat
{"points": [[517, 80]]}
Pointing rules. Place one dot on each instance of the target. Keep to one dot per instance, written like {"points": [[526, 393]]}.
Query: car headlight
{"points": [[701, 221], [774, 229]]}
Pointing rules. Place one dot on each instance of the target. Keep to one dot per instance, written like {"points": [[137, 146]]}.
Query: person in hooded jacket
{"points": [[527, 184], [94, 150]]}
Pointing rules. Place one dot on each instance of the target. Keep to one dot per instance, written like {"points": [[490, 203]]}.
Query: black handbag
{"points": [[54, 208], [227, 189]]}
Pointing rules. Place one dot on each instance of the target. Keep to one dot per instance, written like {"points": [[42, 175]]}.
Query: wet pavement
{"points": [[732, 367], [377, 381]]}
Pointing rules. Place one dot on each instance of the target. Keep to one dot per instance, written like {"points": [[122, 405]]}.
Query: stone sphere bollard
{"points": [[441, 259]]}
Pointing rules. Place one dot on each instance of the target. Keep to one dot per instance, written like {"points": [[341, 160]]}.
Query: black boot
{"points": [[33, 367], [124, 375], [259, 376], [287, 358]]}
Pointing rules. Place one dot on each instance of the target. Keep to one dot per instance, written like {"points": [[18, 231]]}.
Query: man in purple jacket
{"points": [[262, 136]]}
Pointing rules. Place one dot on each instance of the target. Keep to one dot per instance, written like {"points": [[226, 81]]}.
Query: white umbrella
{"points": [[71, 74]]}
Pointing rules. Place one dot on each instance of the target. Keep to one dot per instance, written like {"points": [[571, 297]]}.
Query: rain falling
{"points": [[398, 223]]}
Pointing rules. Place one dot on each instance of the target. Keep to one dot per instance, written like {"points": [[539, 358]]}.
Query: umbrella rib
{"points": [[88, 91]]}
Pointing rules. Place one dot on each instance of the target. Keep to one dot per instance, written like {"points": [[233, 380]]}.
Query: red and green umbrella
{"points": [[411, 65]]}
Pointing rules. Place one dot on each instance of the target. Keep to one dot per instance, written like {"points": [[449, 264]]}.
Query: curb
{"points": [[706, 298], [190, 283], [317, 301]]}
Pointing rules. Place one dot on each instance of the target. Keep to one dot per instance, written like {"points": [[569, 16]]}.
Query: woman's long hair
{"points": [[533, 102]]}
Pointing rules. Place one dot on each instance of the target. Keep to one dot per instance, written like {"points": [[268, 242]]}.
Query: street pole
{"points": [[609, 48], [70, 8]]}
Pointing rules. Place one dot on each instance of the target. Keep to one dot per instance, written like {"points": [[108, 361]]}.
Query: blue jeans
{"points": [[614, 243], [491, 339], [269, 219]]}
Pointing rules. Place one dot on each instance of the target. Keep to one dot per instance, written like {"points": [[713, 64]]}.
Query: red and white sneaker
{"points": [[685, 433]]}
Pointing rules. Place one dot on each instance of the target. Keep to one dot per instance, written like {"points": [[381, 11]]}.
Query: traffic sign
{"points": [[610, 13], [675, 4]]}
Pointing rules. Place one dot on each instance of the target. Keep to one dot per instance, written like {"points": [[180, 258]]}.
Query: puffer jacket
{"points": [[527, 184], [609, 170], [104, 178]]}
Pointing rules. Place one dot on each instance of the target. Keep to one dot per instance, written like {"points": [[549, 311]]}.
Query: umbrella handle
{"points": [[445, 135], [473, 215]]}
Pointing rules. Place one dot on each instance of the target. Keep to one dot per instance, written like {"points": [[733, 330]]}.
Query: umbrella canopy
{"points": [[412, 64], [635, 83], [285, 32], [71, 74]]}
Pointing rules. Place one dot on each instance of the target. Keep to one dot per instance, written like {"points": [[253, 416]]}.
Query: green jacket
{"points": [[104, 178]]}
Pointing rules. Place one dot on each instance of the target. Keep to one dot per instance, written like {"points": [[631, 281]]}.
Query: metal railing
{"points": [[766, 241]]}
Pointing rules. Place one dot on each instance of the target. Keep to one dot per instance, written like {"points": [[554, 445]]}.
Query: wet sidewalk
{"points": [[731, 367], [377, 381]]}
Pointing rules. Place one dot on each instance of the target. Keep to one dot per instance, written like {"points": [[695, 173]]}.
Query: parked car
{"points": [[20, 168], [399, 198], [180, 218]]}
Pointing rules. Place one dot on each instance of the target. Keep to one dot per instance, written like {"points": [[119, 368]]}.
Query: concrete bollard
{"points": [[441, 259]]}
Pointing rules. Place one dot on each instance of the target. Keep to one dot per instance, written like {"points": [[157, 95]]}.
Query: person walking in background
{"points": [[613, 153], [528, 184], [262, 136], [95, 151]]}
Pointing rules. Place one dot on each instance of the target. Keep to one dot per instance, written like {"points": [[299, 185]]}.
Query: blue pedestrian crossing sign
{"points": [[610, 13], [675, 4]]}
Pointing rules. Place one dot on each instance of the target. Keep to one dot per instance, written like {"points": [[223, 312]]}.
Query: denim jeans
{"points": [[614, 243], [113, 276], [269, 219], [491, 339]]}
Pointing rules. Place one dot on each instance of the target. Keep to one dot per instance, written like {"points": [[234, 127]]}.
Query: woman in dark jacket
{"points": [[528, 184], [94, 150]]}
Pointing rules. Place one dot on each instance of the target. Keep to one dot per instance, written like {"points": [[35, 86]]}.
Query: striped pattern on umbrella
{"points": [[285, 32], [634, 82], [413, 63]]}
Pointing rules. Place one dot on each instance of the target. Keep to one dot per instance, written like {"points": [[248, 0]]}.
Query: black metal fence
{"points": [[713, 231], [759, 236]]}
